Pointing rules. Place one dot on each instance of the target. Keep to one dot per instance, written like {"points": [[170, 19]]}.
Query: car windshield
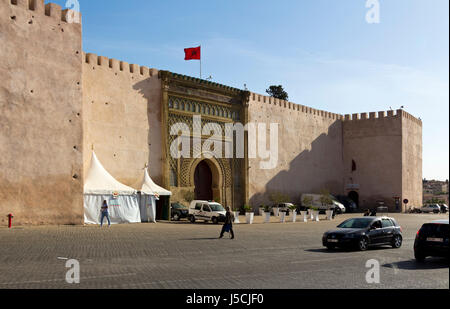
{"points": [[216, 207], [358, 223], [178, 206], [438, 229]]}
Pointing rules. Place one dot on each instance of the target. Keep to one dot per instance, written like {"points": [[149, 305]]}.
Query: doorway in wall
{"points": [[203, 182], [354, 196]]}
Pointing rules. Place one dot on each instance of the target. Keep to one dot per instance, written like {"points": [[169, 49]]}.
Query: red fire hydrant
{"points": [[10, 216]]}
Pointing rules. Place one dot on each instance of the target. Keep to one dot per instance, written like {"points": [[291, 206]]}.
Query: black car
{"points": [[432, 240], [365, 232], [349, 204], [178, 211]]}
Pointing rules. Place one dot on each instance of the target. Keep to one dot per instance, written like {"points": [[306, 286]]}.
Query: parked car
{"points": [[337, 206], [433, 208], [207, 211], [364, 232], [432, 240], [444, 208], [284, 207], [178, 211], [349, 204]]}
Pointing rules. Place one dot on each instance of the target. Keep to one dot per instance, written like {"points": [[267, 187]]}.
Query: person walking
{"points": [[228, 226], [105, 213]]}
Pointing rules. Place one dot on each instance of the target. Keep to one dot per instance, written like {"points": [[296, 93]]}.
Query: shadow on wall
{"points": [[150, 89], [310, 171]]}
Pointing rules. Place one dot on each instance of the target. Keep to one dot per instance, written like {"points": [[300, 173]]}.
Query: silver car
{"points": [[433, 208]]}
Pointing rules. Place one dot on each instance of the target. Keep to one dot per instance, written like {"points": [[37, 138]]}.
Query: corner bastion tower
{"points": [[57, 103]]}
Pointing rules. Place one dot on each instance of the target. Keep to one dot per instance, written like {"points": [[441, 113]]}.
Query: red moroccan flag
{"points": [[192, 53]]}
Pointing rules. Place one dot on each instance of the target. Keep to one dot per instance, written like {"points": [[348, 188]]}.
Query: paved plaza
{"points": [[183, 255]]}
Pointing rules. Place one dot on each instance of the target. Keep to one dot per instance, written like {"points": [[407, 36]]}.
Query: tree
{"points": [[325, 198], [278, 198], [435, 200], [277, 92], [188, 196], [247, 208], [307, 202]]}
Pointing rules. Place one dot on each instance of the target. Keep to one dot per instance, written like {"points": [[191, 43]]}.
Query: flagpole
{"points": [[200, 62]]}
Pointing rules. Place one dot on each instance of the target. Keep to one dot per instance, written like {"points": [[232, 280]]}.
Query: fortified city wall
{"points": [[374, 143], [122, 105], [319, 150], [41, 132], [386, 149], [58, 104], [310, 150], [412, 160]]}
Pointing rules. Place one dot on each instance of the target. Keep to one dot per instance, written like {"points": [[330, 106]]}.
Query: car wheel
{"points": [[419, 257], [363, 244], [215, 220], [192, 219], [397, 241], [176, 217]]}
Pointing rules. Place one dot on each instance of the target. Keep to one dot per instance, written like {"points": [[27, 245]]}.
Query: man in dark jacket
{"points": [[228, 226]]}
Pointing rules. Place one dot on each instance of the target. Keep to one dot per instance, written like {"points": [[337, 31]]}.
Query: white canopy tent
{"points": [[148, 186], [99, 186], [150, 193]]}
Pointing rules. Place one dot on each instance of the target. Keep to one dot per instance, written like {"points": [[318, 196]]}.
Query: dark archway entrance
{"points": [[162, 208], [354, 196], [203, 182]]}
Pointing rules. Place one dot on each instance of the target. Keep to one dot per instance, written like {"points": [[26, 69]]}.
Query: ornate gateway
{"points": [[205, 175]]}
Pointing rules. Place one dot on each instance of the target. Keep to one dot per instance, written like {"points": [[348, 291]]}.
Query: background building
{"points": [[434, 191]]}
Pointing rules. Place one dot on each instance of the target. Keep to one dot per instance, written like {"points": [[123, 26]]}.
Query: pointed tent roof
{"points": [[148, 186], [99, 181]]}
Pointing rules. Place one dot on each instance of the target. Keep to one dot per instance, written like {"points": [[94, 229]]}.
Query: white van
{"points": [[207, 211], [339, 207]]}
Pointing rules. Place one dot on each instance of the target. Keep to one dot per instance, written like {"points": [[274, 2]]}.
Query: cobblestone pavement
{"points": [[182, 255]]}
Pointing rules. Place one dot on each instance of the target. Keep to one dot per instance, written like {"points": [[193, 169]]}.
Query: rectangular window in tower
{"points": [[353, 165]]}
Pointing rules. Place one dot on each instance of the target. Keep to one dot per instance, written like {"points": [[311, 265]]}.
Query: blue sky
{"points": [[323, 52]]}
